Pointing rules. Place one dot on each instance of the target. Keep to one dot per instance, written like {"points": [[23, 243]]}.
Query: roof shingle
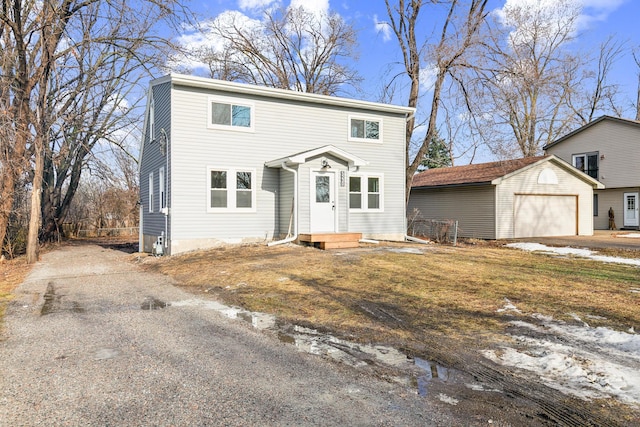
{"points": [[470, 174]]}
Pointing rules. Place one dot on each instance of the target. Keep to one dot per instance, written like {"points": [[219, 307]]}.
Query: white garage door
{"points": [[538, 216]]}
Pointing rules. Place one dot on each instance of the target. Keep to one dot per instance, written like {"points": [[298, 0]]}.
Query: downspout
{"points": [[295, 209]]}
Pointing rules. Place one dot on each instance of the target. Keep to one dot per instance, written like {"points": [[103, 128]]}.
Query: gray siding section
{"points": [[611, 199], [282, 128], [618, 146], [473, 207], [152, 160], [285, 204], [526, 182]]}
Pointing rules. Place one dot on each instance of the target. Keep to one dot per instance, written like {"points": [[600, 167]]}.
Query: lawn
{"points": [[385, 295]]}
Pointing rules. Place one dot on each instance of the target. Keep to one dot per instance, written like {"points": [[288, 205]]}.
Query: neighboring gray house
{"points": [[225, 162], [530, 197], [607, 149]]}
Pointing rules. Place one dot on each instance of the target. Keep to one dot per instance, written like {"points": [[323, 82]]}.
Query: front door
{"points": [[323, 202], [631, 210]]}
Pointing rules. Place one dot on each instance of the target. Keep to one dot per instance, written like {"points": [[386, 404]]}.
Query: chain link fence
{"points": [[441, 231]]}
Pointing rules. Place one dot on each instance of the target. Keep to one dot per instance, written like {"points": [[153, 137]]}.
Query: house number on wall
{"points": [[343, 178]]}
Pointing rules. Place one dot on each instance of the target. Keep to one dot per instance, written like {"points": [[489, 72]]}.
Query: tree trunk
{"points": [[33, 245]]}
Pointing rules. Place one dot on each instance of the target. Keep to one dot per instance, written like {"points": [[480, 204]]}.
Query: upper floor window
{"points": [[365, 192], [231, 189], [365, 129], [152, 119], [227, 114], [587, 163]]}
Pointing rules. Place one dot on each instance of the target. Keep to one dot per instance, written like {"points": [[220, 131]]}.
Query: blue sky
{"points": [[378, 49], [379, 57]]}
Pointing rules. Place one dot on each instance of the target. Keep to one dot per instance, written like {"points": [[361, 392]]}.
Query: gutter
{"points": [[295, 208]]}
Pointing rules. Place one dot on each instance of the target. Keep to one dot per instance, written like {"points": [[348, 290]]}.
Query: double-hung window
{"points": [[231, 190], [365, 192], [227, 113], [161, 191], [365, 129], [587, 163], [151, 192]]}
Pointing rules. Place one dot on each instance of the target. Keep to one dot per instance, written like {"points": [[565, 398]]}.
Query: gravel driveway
{"points": [[79, 349]]}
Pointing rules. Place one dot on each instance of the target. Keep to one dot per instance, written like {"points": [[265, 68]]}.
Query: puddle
{"points": [[53, 302], [432, 372], [420, 372], [152, 303]]}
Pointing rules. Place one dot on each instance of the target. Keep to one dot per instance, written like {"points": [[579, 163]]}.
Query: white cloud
{"points": [[428, 77], [590, 11], [382, 27], [254, 4], [316, 7]]}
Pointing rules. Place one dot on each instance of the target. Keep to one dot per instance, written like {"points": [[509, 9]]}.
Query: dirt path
{"points": [[89, 341]]}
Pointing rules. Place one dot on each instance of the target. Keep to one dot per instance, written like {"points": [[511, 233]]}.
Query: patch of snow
{"points": [[630, 235], [447, 399], [579, 360], [508, 306], [582, 253]]}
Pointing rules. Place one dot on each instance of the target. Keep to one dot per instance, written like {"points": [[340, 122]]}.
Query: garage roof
{"points": [[489, 173], [482, 173]]}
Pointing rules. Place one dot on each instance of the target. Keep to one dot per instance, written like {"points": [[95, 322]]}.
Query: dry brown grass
{"points": [[406, 299], [12, 273]]}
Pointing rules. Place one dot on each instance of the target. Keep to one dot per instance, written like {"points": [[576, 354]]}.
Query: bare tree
{"points": [[68, 67], [289, 48], [458, 33], [530, 87]]}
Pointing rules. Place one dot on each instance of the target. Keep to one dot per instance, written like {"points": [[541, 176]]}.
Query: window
{"points": [[595, 205], [366, 129], [152, 119], [151, 192], [226, 114], [365, 192], [587, 163], [163, 198], [231, 190]]}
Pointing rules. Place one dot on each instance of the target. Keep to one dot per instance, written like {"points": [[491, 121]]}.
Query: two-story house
{"points": [[607, 149], [224, 162]]}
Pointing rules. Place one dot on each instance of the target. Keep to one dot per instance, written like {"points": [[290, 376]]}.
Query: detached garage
{"points": [[530, 197]]}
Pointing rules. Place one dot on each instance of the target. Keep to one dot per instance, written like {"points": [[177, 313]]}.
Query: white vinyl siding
{"points": [[197, 147]]}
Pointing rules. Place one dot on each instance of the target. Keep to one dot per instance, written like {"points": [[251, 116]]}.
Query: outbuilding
{"points": [[529, 197]]}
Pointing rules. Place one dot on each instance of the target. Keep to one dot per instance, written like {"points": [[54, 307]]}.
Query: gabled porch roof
{"points": [[303, 157]]}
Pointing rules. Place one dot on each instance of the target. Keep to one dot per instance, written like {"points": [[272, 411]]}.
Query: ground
{"points": [[494, 335], [488, 329]]}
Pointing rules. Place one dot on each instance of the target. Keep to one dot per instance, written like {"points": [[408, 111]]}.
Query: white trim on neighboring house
{"points": [[367, 135], [231, 191], [365, 192]]}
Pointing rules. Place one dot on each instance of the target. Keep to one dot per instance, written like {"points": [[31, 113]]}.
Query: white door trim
{"points": [[323, 217], [630, 210]]}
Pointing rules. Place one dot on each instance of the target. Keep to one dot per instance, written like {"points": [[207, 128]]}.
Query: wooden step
{"points": [[330, 237], [331, 240], [339, 245]]}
